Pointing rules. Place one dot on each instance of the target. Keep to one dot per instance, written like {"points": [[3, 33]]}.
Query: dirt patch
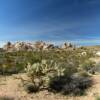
{"points": [[10, 86]]}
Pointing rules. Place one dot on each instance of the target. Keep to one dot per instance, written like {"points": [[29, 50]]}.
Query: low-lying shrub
{"points": [[58, 77], [88, 66], [30, 87], [97, 68], [70, 85]]}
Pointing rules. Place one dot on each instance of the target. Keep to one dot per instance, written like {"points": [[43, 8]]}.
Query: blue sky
{"points": [[50, 20]]}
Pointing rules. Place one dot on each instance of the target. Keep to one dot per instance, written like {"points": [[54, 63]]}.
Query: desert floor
{"points": [[10, 86]]}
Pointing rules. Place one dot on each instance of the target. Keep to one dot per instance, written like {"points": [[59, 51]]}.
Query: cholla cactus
{"points": [[28, 68], [48, 73], [45, 71], [44, 61]]}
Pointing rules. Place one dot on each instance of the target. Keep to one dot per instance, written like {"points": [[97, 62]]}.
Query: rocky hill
{"points": [[36, 46]]}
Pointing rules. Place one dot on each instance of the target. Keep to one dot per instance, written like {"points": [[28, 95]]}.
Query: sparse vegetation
{"points": [[64, 71], [56, 73]]}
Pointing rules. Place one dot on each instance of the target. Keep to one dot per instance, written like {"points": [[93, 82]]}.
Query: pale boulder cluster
{"points": [[19, 46], [36, 46]]}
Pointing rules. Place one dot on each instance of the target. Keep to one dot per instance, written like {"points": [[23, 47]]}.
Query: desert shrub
{"points": [[88, 66], [30, 87], [97, 68], [83, 73], [7, 69], [20, 66], [15, 62], [70, 85], [58, 76], [19, 59], [56, 73], [46, 70]]}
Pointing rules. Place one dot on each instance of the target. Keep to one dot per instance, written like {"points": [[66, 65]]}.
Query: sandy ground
{"points": [[10, 86], [96, 59]]}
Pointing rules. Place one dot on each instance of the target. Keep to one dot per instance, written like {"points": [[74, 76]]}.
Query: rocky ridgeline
{"points": [[36, 46]]}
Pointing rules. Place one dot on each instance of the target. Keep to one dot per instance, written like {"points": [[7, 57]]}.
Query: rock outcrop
{"points": [[37, 46], [67, 45]]}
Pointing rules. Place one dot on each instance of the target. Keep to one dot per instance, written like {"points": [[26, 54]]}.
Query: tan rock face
{"points": [[8, 47], [39, 45], [67, 45], [19, 46], [64, 46]]}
